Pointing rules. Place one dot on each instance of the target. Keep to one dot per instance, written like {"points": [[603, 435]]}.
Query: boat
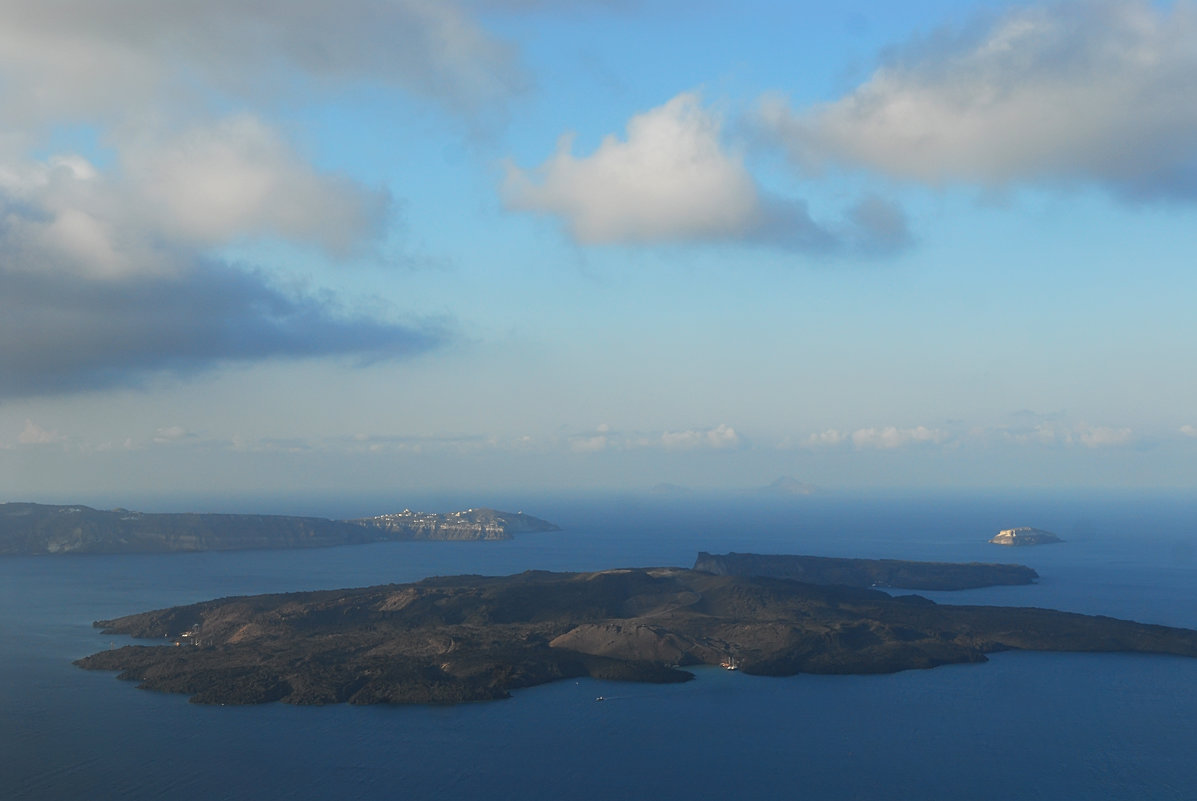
{"points": [[730, 663]]}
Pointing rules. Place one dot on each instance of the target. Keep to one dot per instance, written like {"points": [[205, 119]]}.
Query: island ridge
{"points": [[880, 573]]}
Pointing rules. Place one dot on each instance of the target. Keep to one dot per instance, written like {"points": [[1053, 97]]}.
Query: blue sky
{"points": [[506, 245]]}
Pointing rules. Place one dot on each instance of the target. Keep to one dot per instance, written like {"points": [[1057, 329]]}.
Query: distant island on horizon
{"points": [[473, 638], [30, 529]]}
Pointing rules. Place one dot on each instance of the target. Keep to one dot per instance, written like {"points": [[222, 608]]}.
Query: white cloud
{"points": [[1048, 433], [1104, 436], [673, 179], [168, 434], [893, 437], [1060, 92], [238, 177], [721, 437], [207, 187], [670, 179], [1188, 430], [33, 434], [591, 444], [1045, 432], [875, 438], [829, 438]]}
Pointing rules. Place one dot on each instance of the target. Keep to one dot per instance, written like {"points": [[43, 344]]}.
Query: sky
{"points": [[516, 245]]}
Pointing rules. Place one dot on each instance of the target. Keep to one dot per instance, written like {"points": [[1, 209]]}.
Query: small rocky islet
{"points": [[471, 638], [1023, 536]]}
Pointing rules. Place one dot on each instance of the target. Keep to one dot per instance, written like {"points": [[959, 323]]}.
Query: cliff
{"points": [[866, 572], [470, 638], [32, 529]]}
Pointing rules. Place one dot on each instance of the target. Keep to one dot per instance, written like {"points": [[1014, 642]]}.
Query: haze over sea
{"points": [[1025, 725]]}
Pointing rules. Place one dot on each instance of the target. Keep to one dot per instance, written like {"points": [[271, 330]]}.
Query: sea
{"points": [[1022, 725]]}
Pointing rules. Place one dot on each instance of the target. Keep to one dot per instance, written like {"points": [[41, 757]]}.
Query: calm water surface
{"points": [[1024, 725]]}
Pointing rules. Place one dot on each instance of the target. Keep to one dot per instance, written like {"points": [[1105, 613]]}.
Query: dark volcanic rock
{"points": [[866, 572], [33, 528], [471, 638]]}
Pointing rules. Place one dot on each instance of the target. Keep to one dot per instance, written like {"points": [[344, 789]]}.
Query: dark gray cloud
{"points": [[62, 333]]}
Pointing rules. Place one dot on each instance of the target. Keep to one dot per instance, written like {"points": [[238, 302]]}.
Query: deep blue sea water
{"points": [[1023, 725]]}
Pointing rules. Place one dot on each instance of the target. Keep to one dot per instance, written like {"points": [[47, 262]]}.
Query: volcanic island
{"points": [[472, 638]]}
